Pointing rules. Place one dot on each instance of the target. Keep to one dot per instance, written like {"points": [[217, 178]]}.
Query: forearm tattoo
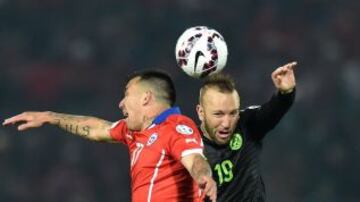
{"points": [[74, 124]]}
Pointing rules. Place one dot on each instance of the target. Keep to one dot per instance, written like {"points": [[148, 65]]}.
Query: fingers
{"points": [[25, 119], [289, 67], [209, 188], [212, 194], [26, 126], [15, 119], [283, 77]]}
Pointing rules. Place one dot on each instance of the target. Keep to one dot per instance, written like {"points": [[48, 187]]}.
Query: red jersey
{"points": [[155, 153]]}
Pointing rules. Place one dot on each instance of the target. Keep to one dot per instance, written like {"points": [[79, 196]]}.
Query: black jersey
{"points": [[236, 166]]}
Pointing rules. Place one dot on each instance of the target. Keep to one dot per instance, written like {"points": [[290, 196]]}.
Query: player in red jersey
{"points": [[165, 147]]}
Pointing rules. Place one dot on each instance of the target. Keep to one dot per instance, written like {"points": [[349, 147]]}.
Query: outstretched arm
{"points": [[200, 170], [85, 126]]}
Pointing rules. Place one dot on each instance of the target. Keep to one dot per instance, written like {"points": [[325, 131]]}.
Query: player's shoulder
{"points": [[248, 112], [250, 108], [181, 124]]}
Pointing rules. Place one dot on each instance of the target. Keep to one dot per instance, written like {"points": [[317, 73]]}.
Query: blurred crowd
{"points": [[73, 56]]}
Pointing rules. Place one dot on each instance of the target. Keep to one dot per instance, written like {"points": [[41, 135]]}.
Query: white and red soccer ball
{"points": [[201, 51]]}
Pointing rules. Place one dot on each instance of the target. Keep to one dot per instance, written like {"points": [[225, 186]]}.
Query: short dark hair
{"points": [[160, 81], [224, 83]]}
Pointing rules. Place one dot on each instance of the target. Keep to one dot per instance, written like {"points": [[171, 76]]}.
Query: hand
{"points": [[27, 120], [208, 186], [284, 78]]}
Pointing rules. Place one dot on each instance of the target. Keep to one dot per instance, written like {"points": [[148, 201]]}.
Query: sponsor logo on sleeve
{"points": [[184, 129]]}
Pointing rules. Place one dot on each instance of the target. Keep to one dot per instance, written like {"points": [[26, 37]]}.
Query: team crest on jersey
{"points": [[184, 129], [152, 139], [236, 142]]}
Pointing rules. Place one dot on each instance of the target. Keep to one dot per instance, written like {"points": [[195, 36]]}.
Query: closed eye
{"points": [[234, 113], [218, 114]]}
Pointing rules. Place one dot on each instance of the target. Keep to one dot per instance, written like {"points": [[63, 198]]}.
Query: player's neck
{"points": [[152, 113]]}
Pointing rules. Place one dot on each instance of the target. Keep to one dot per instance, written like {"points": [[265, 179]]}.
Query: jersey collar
{"points": [[165, 114]]}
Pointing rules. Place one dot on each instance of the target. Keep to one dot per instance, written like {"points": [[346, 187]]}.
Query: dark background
{"points": [[72, 56]]}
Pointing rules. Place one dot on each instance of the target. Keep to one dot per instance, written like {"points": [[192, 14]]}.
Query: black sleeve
{"points": [[258, 120]]}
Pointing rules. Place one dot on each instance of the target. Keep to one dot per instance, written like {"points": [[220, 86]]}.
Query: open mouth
{"points": [[125, 114], [224, 134]]}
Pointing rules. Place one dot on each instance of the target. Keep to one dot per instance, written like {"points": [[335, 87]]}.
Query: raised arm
{"points": [[88, 127], [262, 119], [200, 170]]}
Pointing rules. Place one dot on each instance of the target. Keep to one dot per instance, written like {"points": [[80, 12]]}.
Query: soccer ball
{"points": [[201, 51]]}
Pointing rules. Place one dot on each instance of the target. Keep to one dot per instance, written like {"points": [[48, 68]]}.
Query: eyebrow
{"points": [[220, 110]]}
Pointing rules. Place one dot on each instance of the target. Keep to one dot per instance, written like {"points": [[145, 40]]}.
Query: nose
{"points": [[226, 122], [121, 104]]}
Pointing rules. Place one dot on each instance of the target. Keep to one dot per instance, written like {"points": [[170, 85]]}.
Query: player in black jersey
{"points": [[232, 138]]}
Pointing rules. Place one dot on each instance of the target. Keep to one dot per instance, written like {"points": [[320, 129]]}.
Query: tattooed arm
{"points": [[85, 126]]}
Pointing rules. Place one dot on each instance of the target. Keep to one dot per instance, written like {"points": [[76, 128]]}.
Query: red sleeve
{"points": [[185, 139], [118, 131]]}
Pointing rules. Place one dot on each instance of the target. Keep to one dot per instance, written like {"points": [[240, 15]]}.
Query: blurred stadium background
{"points": [[72, 56]]}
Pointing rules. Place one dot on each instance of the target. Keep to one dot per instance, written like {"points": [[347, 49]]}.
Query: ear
{"points": [[147, 97], [200, 112]]}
